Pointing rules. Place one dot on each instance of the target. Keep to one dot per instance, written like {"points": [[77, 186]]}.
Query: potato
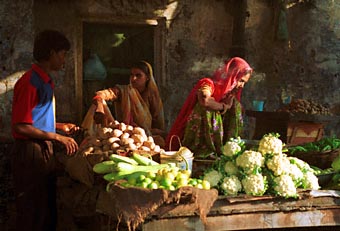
{"points": [[138, 130], [104, 133], [117, 133], [126, 141], [129, 128], [157, 149], [138, 138], [149, 144], [113, 139], [122, 127], [125, 135], [131, 146], [150, 139], [145, 149], [114, 124], [115, 146]]}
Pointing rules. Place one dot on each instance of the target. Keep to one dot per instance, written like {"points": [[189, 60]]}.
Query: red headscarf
{"points": [[223, 81]]}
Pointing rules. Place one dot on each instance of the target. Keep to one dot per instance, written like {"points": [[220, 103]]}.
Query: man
{"points": [[34, 129]]}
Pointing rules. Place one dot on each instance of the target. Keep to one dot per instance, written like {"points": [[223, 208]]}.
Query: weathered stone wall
{"points": [[16, 36], [199, 34], [305, 64]]}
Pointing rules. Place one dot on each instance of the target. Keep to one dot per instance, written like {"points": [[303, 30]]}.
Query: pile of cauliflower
{"points": [[260, 170]]}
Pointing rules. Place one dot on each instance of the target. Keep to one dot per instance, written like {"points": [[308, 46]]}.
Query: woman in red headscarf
{"points": [[212, 113]]}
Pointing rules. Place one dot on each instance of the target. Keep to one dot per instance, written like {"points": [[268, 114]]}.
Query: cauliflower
{"points": [[230, 168], [303, 166], [232, 147], [270, 143], [213, 177], [295, 173], [284, 186], [310, 181], [231, 185], [249, 161], [255, 184], [279, 164]]}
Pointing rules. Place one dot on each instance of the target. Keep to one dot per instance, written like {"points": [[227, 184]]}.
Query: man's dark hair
{"points": [[47, 41]]}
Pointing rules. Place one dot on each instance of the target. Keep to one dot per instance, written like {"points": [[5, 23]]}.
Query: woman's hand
{"points": [[99, 117], [99, 114], [228, 100], [206, 100]]}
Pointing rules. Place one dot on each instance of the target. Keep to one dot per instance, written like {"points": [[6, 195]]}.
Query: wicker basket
{"points": [[321, 160]]}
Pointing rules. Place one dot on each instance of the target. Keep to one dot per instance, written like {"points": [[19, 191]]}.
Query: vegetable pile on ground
{"points": [[140, 171], [260, 170]]}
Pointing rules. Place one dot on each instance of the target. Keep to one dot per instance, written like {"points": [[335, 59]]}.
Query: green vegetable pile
{"points": [[141, 171], [325, 144]]}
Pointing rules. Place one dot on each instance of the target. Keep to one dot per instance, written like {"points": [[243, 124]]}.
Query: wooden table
{"points": [[239, 213]]}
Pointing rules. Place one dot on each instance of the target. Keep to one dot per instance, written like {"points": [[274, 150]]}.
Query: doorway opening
{"points": [[115, 46], [111, 49]]}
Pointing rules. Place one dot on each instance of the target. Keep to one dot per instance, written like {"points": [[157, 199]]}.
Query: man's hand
{"points": [[69, 143]]}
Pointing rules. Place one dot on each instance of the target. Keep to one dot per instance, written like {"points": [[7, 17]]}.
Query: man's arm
{"points": [[30, 131]]}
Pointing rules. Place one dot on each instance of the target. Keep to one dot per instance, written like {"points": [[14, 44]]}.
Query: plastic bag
{"points": [[94, 69]]}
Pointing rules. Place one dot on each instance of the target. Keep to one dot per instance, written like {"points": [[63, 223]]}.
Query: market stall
{"points": [[245, 188]]}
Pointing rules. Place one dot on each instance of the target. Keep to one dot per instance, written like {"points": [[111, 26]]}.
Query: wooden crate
{"points": [[301, 132]]}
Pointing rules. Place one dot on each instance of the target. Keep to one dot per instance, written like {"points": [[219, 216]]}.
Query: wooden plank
{"points": [[267, 220]]}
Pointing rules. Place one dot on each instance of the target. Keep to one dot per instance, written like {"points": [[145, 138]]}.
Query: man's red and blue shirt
{"points": [[33, 101]]}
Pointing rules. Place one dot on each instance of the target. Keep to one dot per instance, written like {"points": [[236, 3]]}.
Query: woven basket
{"points": [[321, 160]]}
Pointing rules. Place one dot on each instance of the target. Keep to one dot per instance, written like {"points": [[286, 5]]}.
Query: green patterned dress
{"points": [[207, 131]]}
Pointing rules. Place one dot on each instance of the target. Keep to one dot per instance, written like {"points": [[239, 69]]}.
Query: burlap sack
{"points": [[133, 205], [78, 167]]}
